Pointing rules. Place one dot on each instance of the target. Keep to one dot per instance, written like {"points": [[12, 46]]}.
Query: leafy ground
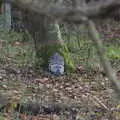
{"points": [[90, 98], [29, 95]]}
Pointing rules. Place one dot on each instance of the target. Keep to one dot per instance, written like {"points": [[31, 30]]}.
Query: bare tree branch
{"points": [[63, 11]]}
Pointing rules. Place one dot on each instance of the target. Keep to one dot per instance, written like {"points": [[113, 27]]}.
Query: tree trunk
{"points": [[7, 14], [47, 38]]}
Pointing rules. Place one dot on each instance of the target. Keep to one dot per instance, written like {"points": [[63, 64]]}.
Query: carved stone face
{"points": [[56, 64], [56, 69]]}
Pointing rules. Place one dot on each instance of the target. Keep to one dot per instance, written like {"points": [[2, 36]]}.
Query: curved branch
{"points": [[60, 10]]}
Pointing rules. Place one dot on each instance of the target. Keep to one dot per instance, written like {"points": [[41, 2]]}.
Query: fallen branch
{"points": [[48, 108], [38, 107]]}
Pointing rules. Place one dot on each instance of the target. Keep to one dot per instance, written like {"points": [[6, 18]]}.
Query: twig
{"points": [[100, 102]]}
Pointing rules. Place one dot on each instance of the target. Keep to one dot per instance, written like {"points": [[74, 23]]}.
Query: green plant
{"points": [[113, 52]]}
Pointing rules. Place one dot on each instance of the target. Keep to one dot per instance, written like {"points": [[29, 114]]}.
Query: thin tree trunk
{"points": [[104, 61], [7, 14]]}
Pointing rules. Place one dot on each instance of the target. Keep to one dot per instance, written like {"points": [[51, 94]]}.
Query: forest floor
{"points": [[88, 96], [29, 95]]}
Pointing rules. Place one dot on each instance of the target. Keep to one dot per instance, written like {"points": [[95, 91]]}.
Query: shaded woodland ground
{"points": [[30, 94]]}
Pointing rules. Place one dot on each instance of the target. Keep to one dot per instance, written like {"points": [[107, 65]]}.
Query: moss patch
{"points": [[44, 53]]}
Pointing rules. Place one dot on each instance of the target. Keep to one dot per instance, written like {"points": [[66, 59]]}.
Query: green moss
{"points": [[46, 51]]}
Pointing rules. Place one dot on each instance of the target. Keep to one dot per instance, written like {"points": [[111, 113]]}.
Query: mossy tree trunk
{"points": [[47, 37]]}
